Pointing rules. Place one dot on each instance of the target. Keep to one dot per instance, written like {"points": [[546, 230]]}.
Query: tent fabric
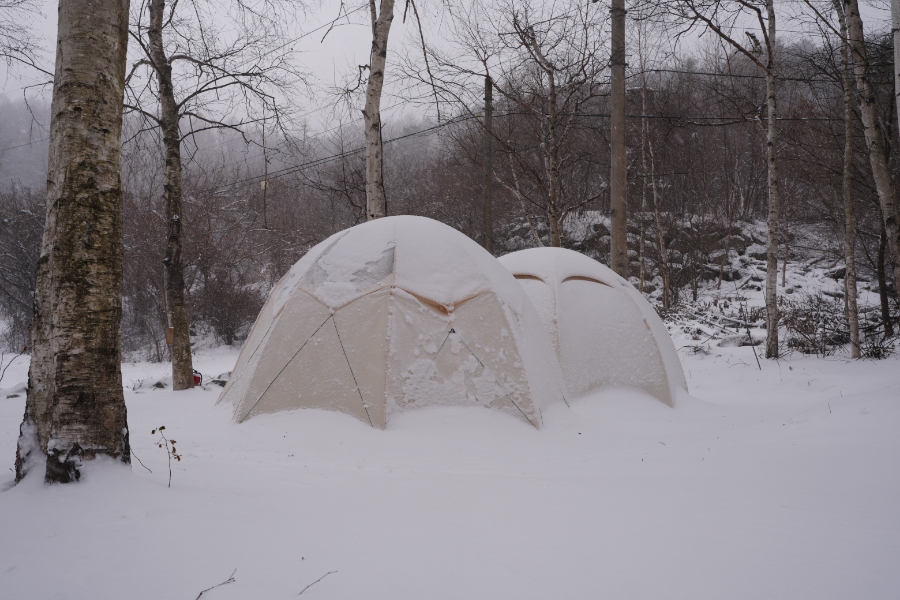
{"points": [[604, 331], [395, 314]]}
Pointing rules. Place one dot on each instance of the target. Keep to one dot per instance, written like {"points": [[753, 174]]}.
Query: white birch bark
{"points": [[376, 199], [75, 409], [884, 183]]}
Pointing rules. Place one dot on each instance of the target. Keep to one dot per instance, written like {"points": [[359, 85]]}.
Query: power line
{"points": [[246, 182], [731, 75], [23, 145]]}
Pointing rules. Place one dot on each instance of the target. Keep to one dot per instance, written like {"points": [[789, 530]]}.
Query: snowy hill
{"points": [[778, 482]]}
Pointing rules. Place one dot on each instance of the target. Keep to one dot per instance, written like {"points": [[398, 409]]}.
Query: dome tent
{"points": [[604, 331], [394, 314]]}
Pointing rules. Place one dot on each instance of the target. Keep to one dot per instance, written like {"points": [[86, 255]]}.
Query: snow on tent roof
{"points": [[390, 315], [605, 332]]}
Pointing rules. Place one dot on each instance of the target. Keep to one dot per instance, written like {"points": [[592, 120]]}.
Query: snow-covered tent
{"points": [[604, 331], [390, 315]]}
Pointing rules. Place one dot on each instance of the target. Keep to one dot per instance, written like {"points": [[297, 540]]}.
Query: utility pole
{"points": [[895, 29], [618, 247], [487, 225]]}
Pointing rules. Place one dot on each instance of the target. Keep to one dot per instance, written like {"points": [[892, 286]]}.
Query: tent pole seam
{"points": [[284, 367], [502, 387], [352, 374], [252, 354]]}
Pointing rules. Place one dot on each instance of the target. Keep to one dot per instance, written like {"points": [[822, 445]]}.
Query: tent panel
{"points": [[318, 376], [416, 333], [605, 341], [485, 330], [436, 262], [356, 264], [362, 327], [669, 354], [542, 296], [243, 369], [300, 318]]}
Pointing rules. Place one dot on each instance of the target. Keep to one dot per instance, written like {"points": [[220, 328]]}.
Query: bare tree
{"points": [[544, 63], [202, 79], [75, 409], [875, 135], [376, 201], [18, 45], [724, 19], [847, 184]]}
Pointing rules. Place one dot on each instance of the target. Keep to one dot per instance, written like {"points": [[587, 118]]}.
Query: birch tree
{"points": [[75, 409], [847, 183], [725, 20], [381, 19], [875, 136]]}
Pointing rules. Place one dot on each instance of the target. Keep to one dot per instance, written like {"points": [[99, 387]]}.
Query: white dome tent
{"points": [[390, 315], [604, 331]]}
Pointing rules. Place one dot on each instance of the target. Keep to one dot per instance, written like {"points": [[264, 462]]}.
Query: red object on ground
{"points": [[197, 379]]}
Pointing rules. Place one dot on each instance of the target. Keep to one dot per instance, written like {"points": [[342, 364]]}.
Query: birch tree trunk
{"points": [[887, 193], [75, 410], [880, 270], [176, 313], [849, 231], [376, 200], [660, 240], [772, 316]]}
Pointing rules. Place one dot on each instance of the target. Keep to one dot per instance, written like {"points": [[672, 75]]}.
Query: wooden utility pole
{"points": [[618, 251], [895, 29], [487, 225]]}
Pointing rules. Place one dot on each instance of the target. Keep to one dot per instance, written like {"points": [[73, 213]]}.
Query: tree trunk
{"points": [[487, 209], [849, 231], [551, 163], [376, 200], [176, 312], [895, 29], [772, 221], [75, 408], [660, 239], [887, 193], [882, 285], [618, 247]]}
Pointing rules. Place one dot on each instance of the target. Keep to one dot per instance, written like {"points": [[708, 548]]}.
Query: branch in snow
{"points": [[227, 581]]}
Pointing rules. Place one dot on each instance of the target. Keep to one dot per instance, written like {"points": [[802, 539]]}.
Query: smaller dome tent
{"points": [[604, 331], [394, 314]]}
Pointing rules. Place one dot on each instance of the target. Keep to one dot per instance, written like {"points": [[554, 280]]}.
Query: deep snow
{"points": [[780, 483]]}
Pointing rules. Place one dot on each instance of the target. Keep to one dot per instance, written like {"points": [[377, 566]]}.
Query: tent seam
{"points": [[277, 375], [352, 374]]}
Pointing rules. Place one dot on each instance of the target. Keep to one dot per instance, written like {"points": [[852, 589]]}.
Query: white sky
{"points": [[347, 46]]}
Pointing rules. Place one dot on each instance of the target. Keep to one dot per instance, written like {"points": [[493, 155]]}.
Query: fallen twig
{"points": [[11, 361], [139, 460], [316, 581], [227, 581]]}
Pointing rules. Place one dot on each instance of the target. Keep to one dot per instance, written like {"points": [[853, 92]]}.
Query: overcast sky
{"points": [[347, 45]]}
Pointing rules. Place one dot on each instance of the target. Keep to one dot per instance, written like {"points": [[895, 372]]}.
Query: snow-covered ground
{"points": [[779, 483]]}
